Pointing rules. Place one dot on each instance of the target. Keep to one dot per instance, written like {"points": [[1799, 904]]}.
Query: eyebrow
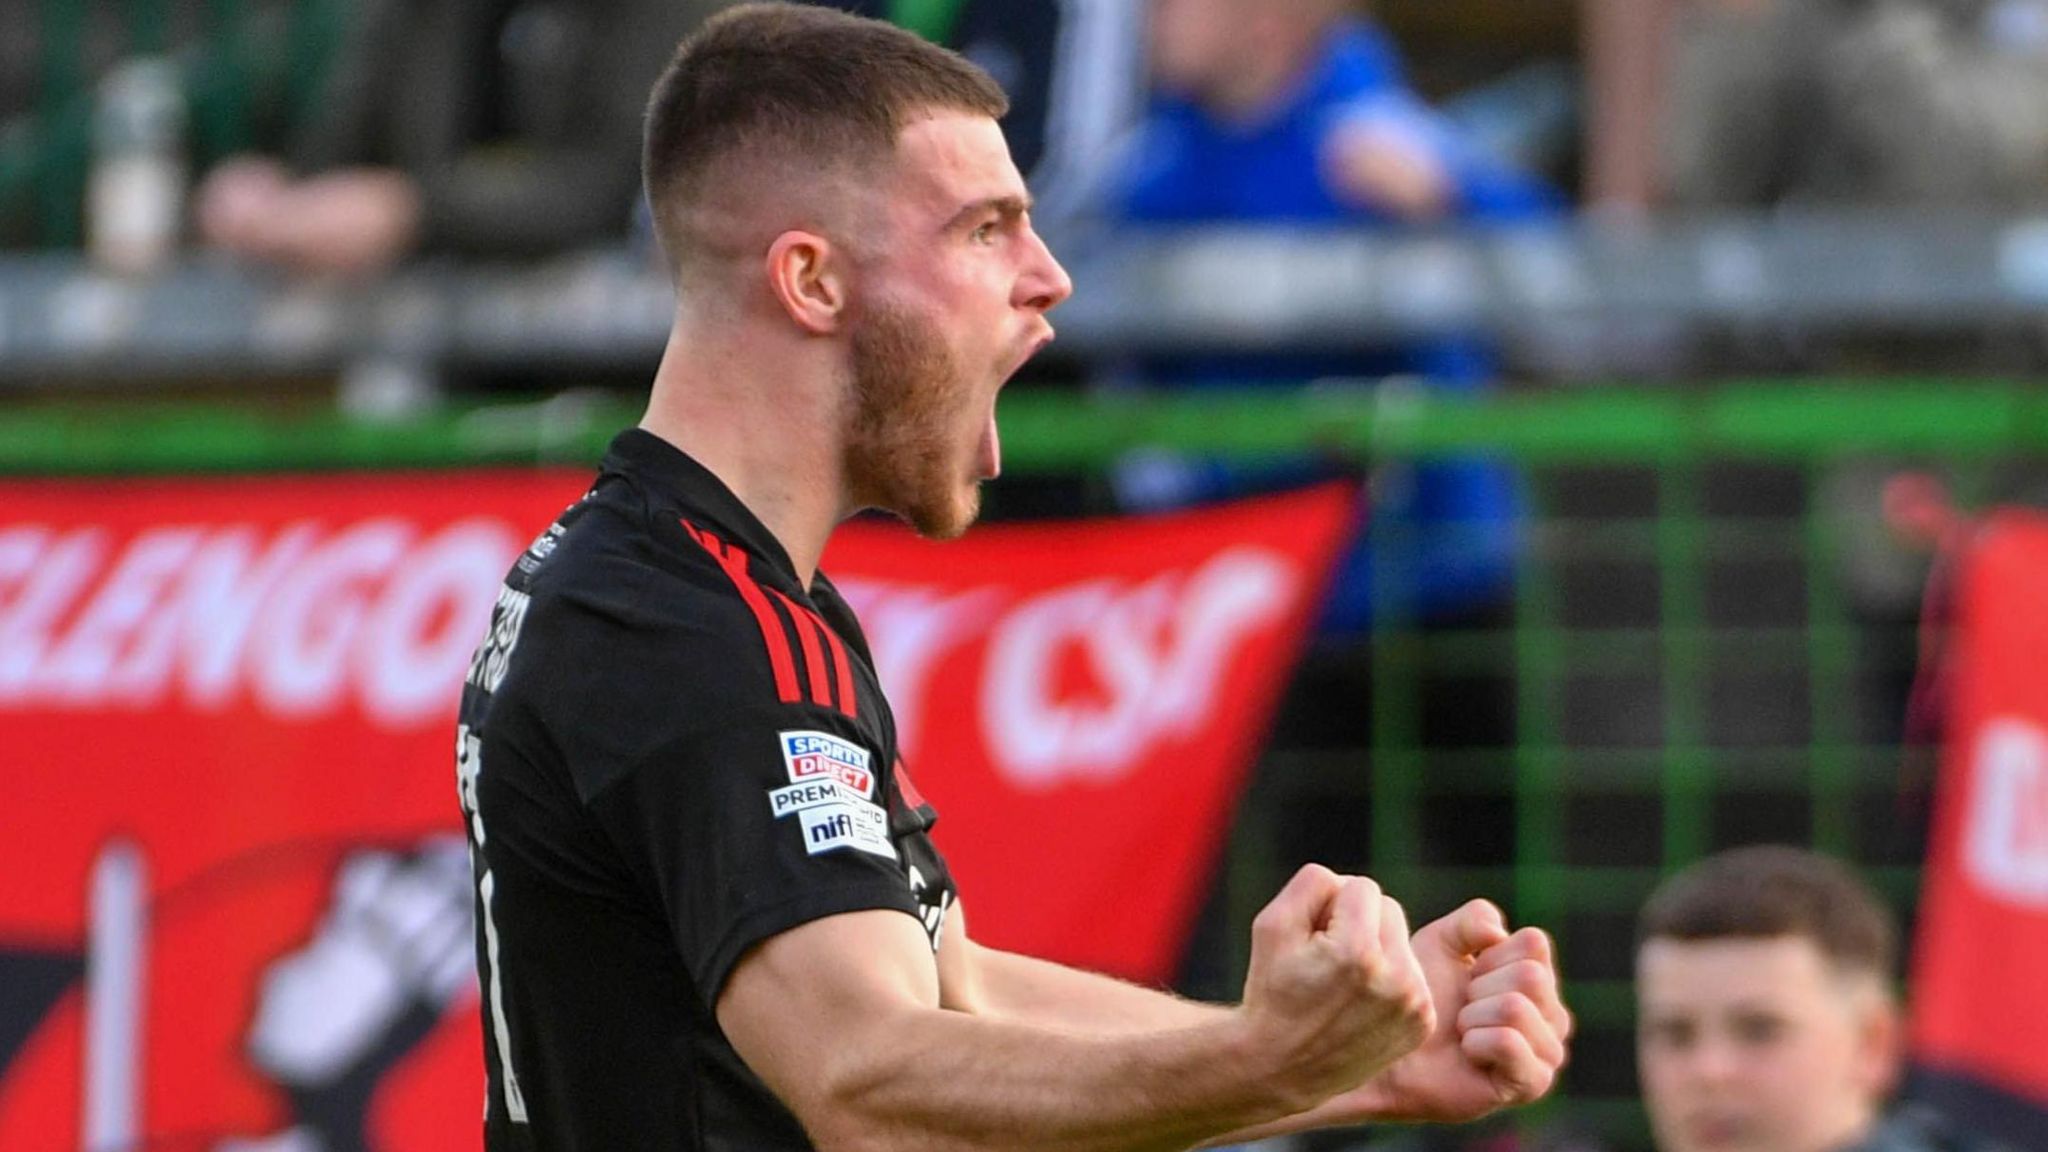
{"points": [[1008, 206]]}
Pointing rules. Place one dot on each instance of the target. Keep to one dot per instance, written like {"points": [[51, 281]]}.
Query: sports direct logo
{"points": [[812, 756]]}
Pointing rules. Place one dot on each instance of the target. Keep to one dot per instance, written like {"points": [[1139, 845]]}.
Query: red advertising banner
{"points": [[234, 897], [233, 887], [1980, 1006]]}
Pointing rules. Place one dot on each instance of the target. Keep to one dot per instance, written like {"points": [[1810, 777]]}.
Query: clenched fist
{"points": [[1502, 1030], [1335, 993]]}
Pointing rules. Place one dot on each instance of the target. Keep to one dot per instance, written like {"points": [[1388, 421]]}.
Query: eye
{"points": [[986, 232], [1669, 1035], [1758, 1031]]}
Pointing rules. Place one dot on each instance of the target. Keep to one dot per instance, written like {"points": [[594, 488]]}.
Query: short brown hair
{"points": [[1768, 891], [808, 85]]}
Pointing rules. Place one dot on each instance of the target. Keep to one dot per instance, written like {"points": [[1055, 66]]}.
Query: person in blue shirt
{"points": [[1298, 114]]}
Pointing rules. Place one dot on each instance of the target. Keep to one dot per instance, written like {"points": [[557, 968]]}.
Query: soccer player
{"points": [[710, 913], [1765, 1010]]}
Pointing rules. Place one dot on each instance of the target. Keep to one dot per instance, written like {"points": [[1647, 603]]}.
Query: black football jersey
{"points": [[668, 751]]}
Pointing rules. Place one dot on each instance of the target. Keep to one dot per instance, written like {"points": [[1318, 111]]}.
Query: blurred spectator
{"points": [[485, 128], [1297, 114], [1301, 114], [1765, 1011], [1879, 102]]}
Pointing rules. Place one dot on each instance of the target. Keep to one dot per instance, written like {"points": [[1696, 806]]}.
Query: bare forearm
{"points": [[1337, 1112], [1013, 1086], [901, 1053], [1034, 991], [1027, 989]]}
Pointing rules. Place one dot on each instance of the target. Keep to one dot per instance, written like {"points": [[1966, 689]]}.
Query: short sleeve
{"points": [[753, 826]]}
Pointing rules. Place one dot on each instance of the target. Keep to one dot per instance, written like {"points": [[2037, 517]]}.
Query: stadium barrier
{"points": [[1586, 299]]}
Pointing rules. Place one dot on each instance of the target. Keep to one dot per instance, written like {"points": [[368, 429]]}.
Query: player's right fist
{"points": [[1335, 993]]}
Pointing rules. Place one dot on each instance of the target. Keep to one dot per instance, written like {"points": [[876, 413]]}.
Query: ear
{"points": [[808, 277], [1880, 1045]]}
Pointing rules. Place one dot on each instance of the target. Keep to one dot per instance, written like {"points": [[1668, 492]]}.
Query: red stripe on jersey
{"points": [[912, 798], [807, 628], [781, 657], [848, 703]]}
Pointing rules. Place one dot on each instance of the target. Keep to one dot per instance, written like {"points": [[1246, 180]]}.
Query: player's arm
{"points": [[1500, 1038], [1001, 985], [842, 1018]]}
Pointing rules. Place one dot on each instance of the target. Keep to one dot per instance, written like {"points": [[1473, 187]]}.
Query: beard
{"points": [[902, 454]]}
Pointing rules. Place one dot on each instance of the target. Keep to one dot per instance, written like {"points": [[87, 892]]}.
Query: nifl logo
{"points": [[855, 824], [832, 829]]}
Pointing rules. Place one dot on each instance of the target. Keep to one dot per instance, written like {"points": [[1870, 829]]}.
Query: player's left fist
{"points": [[1502, 1027]]}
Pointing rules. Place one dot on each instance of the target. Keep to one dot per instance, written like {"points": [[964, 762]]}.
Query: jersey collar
{"points": [[701, 493]]}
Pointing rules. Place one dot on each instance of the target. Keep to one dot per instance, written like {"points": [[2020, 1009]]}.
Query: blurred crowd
{"points": [[1940, 103], [345, 137], [338, 137]]}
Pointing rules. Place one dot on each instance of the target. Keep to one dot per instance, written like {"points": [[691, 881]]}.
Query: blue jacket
{"points": [[1455, 519], [1189, 168]]}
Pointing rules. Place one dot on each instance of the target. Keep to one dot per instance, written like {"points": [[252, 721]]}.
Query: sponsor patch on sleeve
{"points": [[830, 793], [812, 756], [858, 825]]}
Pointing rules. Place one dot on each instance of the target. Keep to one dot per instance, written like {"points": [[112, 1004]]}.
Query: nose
{"points": [[1715, 1061], [1044, 285]]}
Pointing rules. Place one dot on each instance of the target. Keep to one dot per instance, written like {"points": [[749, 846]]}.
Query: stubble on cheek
{"points": [[901, 454]]}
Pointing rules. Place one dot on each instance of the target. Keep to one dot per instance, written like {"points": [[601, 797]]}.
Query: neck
{"points": [[756, 411]]}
